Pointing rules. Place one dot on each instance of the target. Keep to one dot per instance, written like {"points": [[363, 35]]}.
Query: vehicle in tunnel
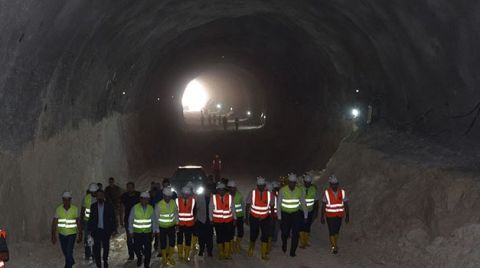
{"points": [[189, 173]]}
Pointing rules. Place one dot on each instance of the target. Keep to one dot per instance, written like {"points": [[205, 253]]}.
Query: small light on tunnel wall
{"points": [[231, 108], [158, 99], [357, 90], [249, 113], [124, 93], [219, 106]]}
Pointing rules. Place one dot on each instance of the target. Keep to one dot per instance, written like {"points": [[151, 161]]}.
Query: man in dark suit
{"points": [[101, 225]]}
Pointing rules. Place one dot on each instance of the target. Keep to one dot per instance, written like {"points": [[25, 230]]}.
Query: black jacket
{"points": [[109, 220]]}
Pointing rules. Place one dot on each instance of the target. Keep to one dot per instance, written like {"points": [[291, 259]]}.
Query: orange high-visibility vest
{"points": [[185, 211], [222, 208], [335, 206], [260, 206]]}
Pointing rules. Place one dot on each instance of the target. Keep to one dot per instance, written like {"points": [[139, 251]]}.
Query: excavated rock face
{"points": [[79, 82]]}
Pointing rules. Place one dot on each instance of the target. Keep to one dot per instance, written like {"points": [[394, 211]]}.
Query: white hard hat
{"points": [[261, 181], [186, 190], [231, 183], [167, 191], [333, 179], [220, 185], [307, 178], [67, 195], [292, 177], [269, 186], [145, 195], [275, 184], [93, 187]]}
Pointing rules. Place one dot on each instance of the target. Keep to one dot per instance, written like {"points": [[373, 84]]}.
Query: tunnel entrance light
{"points": [[219, 106], [355, 112], [195, 97]]}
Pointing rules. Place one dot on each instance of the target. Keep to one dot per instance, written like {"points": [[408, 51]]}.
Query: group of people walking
{"points": [[184, 220]]}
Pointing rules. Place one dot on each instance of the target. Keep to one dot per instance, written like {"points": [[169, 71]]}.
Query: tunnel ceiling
{"points": [[64, 62]]}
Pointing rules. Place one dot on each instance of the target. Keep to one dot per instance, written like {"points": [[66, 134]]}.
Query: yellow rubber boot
{"points": [[302, 240], [251, 248], [171, 259], [194, 242], [264, 251], [228, 250], [239, 244], [164, 257], [180, 252], [307, 239], [221, 252], [269, 245], [187, 253], [333, 243]]}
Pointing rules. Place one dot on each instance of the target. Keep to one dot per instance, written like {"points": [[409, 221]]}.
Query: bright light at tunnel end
{"points": [[195, 97]]}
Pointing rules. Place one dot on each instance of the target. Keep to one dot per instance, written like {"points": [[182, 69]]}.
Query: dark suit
{"points": [[101, 236]]}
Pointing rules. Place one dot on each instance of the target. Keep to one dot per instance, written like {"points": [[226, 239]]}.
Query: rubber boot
{"points": [[180, 252], [336, 241], [333, 244], [264, 251], [171, 258], [187, 253], [238, 245], [251, 248], [302, 240], [228, 250], [194, 243], [307, 239], [164, 258], [221, 252], [269, 245]]}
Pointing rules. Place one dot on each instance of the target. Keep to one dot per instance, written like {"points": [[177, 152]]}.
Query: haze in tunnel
{"points": [[94, 89]]}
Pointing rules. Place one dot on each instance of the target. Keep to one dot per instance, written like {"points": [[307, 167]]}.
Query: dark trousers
{"points": [[67, 242], [130, 245], [205, 237], [167, 234], [274, 228], [101, 240], [143, 245], [224, 232], [291, 223], [185, 232], [257, 225], [334, 225], [239, 227], [306, 226]]}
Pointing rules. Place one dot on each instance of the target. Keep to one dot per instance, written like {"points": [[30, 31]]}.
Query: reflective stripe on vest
{"points": [[238, 199], [142, 221], [87, 203], [166, 215], [290, 200], [67, 220], [275, 210], [222, 212], [335, 206], [310, 194], [185, 211], [260, 207]]}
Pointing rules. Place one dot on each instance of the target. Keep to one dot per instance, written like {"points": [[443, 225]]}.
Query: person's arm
{"points": [[322, 212], [279, 205], [82, 212], [79, 230], [210, 208], [155, 226], [233, 209], [248, 204], [347, 212], [130, 221], [54, 230], [175, 212], [113, 218], [303, 203]]}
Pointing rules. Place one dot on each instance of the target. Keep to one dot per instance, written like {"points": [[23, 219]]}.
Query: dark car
{"points": [[185, 174]]}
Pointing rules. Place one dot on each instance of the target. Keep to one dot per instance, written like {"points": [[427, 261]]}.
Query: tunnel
{"points": [[93, 89]]}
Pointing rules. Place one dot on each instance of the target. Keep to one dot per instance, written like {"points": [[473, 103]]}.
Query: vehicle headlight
{"points": [[173, 190], [200, 190]]}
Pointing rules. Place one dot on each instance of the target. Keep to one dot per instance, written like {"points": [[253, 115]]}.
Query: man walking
{"points": [[166, 215], [113, 193], [101, 226], [334, 208], [291, 200], [186, 223], [88, 200], [223, 217], [239, 212], [259, 206], [129, 199], [141, 222], [203, 223], [66, 223], [311, 198]]}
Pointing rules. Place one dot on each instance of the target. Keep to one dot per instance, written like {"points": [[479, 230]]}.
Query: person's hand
{"points": [[322, 220], [347, 219], [79, 238], [54, 239]]}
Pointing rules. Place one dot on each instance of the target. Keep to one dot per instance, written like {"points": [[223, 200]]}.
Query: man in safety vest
{"points": [[259, 206], [141, 224], [166, 215], [311, 198], [239, 212], [4, 256], [222, 216], [334, 208], [66, 223], [195, 233], [88, 200], [291, 201], [273, 187], [186, 223]]}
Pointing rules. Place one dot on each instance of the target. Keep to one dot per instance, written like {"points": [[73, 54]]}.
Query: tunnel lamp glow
{"points": [[355, 112], [357, 90], [219, 106], [249, 113], [231, 108], [123, 93], [195, 97], [200, 190]]}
